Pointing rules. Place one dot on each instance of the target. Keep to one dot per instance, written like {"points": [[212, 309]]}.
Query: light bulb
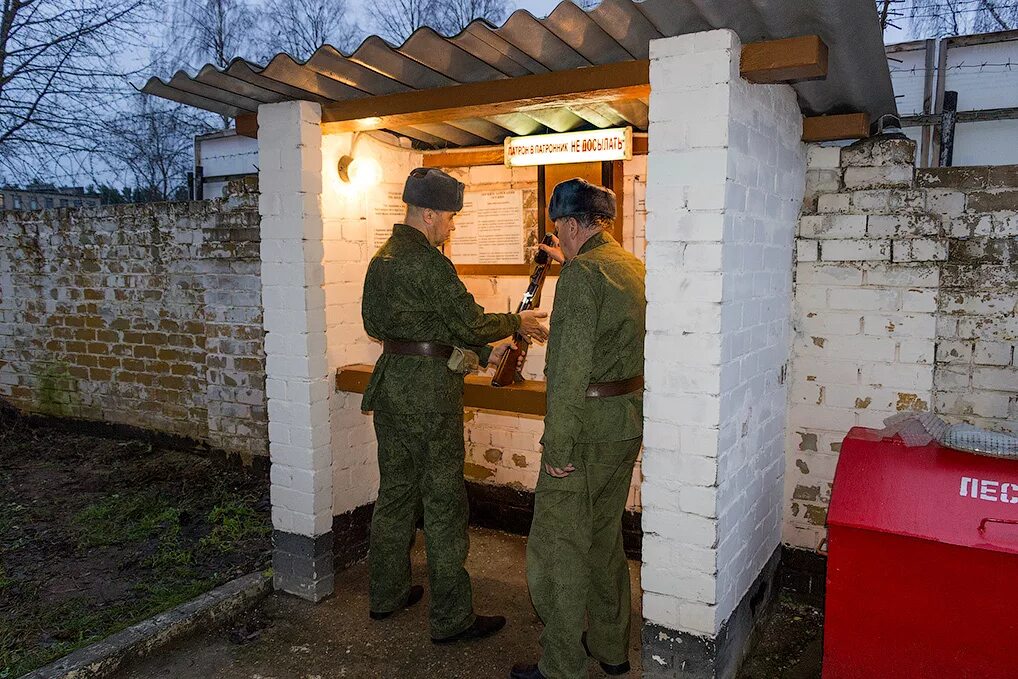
{"points": [[364, 172]]}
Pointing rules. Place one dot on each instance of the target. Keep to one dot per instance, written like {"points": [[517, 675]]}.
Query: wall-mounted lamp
{"points": [[361, 172]]}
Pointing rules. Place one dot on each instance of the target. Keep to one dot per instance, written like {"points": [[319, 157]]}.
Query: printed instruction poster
{"points": [[389, 209], [489, 229]]}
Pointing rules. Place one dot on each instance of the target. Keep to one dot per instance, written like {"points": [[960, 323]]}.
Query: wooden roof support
{"points": [[832, 128], [788, 60], [624, 80], [247, 125]]}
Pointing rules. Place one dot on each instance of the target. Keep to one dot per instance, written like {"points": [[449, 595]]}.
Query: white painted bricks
{"points": [[725, 182], [290, 162]]}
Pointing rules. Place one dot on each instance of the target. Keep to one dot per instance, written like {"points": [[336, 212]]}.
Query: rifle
{"points": [[508, 370]]}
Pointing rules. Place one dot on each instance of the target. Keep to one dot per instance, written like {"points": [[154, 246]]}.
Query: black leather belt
{"points": [[618, 388], [427, 349]]}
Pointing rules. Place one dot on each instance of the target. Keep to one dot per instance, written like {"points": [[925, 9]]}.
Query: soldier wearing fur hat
{"points": [[593, 429], [431, 330]]}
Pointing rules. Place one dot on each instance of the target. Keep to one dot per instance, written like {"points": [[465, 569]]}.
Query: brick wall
{"points": [[905, 299], [144, 315], [725, 183]]}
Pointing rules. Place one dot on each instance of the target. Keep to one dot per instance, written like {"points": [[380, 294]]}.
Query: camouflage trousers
{"points": [[420, 462], [576, 567]]}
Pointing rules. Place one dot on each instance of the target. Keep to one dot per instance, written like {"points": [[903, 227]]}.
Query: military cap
{"points": [[577, 197], [431, 188]]}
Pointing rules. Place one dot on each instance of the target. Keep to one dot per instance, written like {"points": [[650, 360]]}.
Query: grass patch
{"points": [[99, 534], [78, 622], [232, 522], [120, 518]]}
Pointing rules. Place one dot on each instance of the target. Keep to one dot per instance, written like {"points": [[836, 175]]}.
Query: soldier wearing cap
{"points": [[593, 429], [432, 330]]}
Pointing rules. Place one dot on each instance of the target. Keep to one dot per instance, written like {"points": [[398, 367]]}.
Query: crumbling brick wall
{"points": [[144, 315], [905, 299]]}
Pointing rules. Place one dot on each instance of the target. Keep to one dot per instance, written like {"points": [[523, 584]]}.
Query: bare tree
{"points": [[150, 144], [936, 18], [397, 19], [454, 15], [210, 32], [58, 72], [299, 27]]}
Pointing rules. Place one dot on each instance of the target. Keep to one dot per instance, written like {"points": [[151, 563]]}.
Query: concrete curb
{"points": [[103, 658]]}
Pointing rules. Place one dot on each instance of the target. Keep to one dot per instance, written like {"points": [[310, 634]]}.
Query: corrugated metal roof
{"points": [[616, 30]]}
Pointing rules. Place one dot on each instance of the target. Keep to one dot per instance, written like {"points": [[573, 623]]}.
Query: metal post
{"points": [[927, 131], [945, 45], [190, 185], [947, 128], [199, 183]]}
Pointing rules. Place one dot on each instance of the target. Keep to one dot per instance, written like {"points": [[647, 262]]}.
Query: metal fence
{"points": [[958, 98]]}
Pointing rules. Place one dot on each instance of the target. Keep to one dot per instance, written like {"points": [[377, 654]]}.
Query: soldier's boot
{"points": [[416, 593], [525, 671], [483, 626], [607, 668]]}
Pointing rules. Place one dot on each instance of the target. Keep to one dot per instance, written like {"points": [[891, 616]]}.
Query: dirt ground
{"points": [[97, 533], [287, 638]]}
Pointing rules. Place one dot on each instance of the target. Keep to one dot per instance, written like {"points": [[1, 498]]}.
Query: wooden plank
{"points": [[788, 60], [979, 116], [247, 125], [982, 38], [624, 80], [526, 397], [466, 157], [832, 128], [900, 47]]}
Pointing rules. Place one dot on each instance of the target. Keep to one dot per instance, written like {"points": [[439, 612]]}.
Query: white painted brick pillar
{"points": [[297, 375], [726, 176]]}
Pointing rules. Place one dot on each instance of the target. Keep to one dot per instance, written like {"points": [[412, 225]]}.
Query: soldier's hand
{"points": [[498, 351], [559, 473], [531, 326], [554, 251]]}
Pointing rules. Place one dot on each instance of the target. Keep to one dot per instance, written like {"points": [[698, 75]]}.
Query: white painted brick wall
{"points": [[719, 291], [297, 375], [929, 325], [349, 220]]}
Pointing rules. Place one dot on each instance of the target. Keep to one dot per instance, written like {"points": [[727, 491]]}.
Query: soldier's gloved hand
{"points": [[531, 326]]}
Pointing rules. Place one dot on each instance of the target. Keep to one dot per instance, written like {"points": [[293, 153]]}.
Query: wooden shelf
{"points": [[526, 398]]}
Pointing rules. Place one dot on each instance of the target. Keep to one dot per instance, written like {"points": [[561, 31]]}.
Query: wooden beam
{"points": [[832, 128], [624, 80], [788, 60], [466, 157], [247, 125], [526, 397]]}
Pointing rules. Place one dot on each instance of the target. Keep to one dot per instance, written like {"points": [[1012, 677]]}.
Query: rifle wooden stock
{"points": [[508, 370]]}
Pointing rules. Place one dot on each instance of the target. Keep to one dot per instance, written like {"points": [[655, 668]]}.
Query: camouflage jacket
{"points": [[598, 325], [412, 293]]}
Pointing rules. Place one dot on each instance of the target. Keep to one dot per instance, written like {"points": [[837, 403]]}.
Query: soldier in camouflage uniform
{"points": [[593, 429], [419, 308]]}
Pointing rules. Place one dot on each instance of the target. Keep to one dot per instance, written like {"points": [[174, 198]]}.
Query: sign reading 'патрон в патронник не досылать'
{"points": [[570, 147]]}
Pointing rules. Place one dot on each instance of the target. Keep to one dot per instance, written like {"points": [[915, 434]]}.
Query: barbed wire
{"points": [[1002, 67]]}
